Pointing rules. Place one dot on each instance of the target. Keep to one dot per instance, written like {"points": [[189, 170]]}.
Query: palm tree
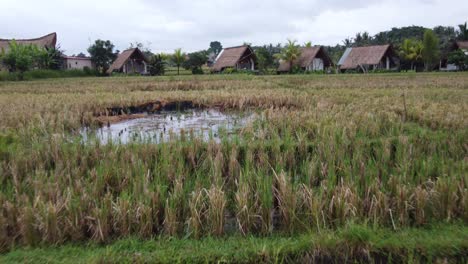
{"points": [[290, 53], [178, 58], [463, 32], [411, 50]]}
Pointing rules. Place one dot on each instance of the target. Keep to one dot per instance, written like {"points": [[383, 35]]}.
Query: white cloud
{"points": [[191, 25]]}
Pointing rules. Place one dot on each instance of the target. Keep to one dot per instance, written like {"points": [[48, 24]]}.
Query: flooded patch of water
{"points": [[206, 124]]}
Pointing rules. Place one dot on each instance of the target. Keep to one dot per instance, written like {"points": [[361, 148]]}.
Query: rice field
{"points": [[388, 152]]}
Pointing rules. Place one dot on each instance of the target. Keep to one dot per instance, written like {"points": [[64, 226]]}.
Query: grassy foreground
{"points": [[386, 151], [435, 244]]}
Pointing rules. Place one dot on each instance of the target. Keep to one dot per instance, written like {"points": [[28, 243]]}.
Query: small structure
{"points": [[457, 45], [311, 59], [130, 61], [240, 58], [364, 59], [77, 63], [48, 42]]}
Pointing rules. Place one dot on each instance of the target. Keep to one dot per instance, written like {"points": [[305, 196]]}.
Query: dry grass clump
{"points": [[325, 151]]}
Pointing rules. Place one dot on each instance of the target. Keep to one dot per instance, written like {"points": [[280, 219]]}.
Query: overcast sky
{"points": [[164, 25]]}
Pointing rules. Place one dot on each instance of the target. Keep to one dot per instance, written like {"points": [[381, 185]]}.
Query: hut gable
{"points": [[130, 61], [355, 58], [306, 60], [235, 57], [48, 41]]}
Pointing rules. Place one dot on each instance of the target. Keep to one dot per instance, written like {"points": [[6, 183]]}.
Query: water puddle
{"points": [[205, 124]]}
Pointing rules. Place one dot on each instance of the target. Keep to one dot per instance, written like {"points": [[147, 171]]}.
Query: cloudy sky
{"points": [[164, 25]]}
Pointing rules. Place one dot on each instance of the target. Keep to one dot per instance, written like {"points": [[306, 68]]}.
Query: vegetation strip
{"points": [[354, 243]]}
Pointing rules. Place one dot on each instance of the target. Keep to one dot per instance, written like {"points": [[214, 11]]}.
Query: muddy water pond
{"points": [[206, 124]]}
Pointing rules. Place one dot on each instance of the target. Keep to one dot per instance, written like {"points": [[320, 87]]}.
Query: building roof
{"points": [[306, 58], [123, 58], [47, 41], [371, 55], [462, 44], [229, 57]]}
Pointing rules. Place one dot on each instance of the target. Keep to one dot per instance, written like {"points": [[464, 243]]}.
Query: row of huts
{"points": [[360, 59]]}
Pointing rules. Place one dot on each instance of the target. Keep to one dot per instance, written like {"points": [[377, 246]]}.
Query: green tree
{"points": [[265, 58], [102, 54], [430, 51], [51, 59], [157, 65], [308, 44], [178, 58], [411, 51], [462, 32], [459, 58], [21, 58], [195, 62], [215, 47], [290, 53]]}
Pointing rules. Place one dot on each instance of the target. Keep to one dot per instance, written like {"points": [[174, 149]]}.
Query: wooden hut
{"points": [[364, 59], [240, 58], [129, 62], [311, 59]]}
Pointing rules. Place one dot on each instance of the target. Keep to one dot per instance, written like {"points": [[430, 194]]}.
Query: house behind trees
{"points": [[365, 59], [311, 59], [239, 58], [131, 61], [77, 63]]}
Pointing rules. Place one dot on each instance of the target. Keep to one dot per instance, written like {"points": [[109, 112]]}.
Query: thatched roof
{"points": [[229, 57], [462, 44], [307, 57], [125, 56], [371, 55], [47, 41]]}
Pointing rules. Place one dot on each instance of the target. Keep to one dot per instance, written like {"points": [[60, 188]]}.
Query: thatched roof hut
{"points": [[47, 41], [241, 58], [130, 61], [311, 59], [369, 58]]}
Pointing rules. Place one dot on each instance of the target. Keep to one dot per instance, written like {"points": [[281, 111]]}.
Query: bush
{"points": [[45, 74], [197, 71]]}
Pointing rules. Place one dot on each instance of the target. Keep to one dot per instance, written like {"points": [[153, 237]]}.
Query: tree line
{"points": [[417, 47]]}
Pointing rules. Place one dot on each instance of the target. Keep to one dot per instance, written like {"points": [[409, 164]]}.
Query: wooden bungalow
{"points": [[364, 59], [48, 42], [311, 59], [240, 58], [130, 61]]}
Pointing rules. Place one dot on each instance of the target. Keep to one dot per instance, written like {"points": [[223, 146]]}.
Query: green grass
{"points": [[354, 243]]}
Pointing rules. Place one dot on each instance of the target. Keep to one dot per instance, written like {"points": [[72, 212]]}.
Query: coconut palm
{"points": [[290, 53], [178, 58], [411, 50]]}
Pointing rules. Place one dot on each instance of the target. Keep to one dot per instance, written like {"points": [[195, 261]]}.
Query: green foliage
{"points": [[102, 54], [411, 51], [430, 51], [21, 58], [178, 58], [308, 44], [459, 58], [265, 58], [215, 47], [290, 53], [195, 62], [46, 74], [157, 65], [462, 33]]}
